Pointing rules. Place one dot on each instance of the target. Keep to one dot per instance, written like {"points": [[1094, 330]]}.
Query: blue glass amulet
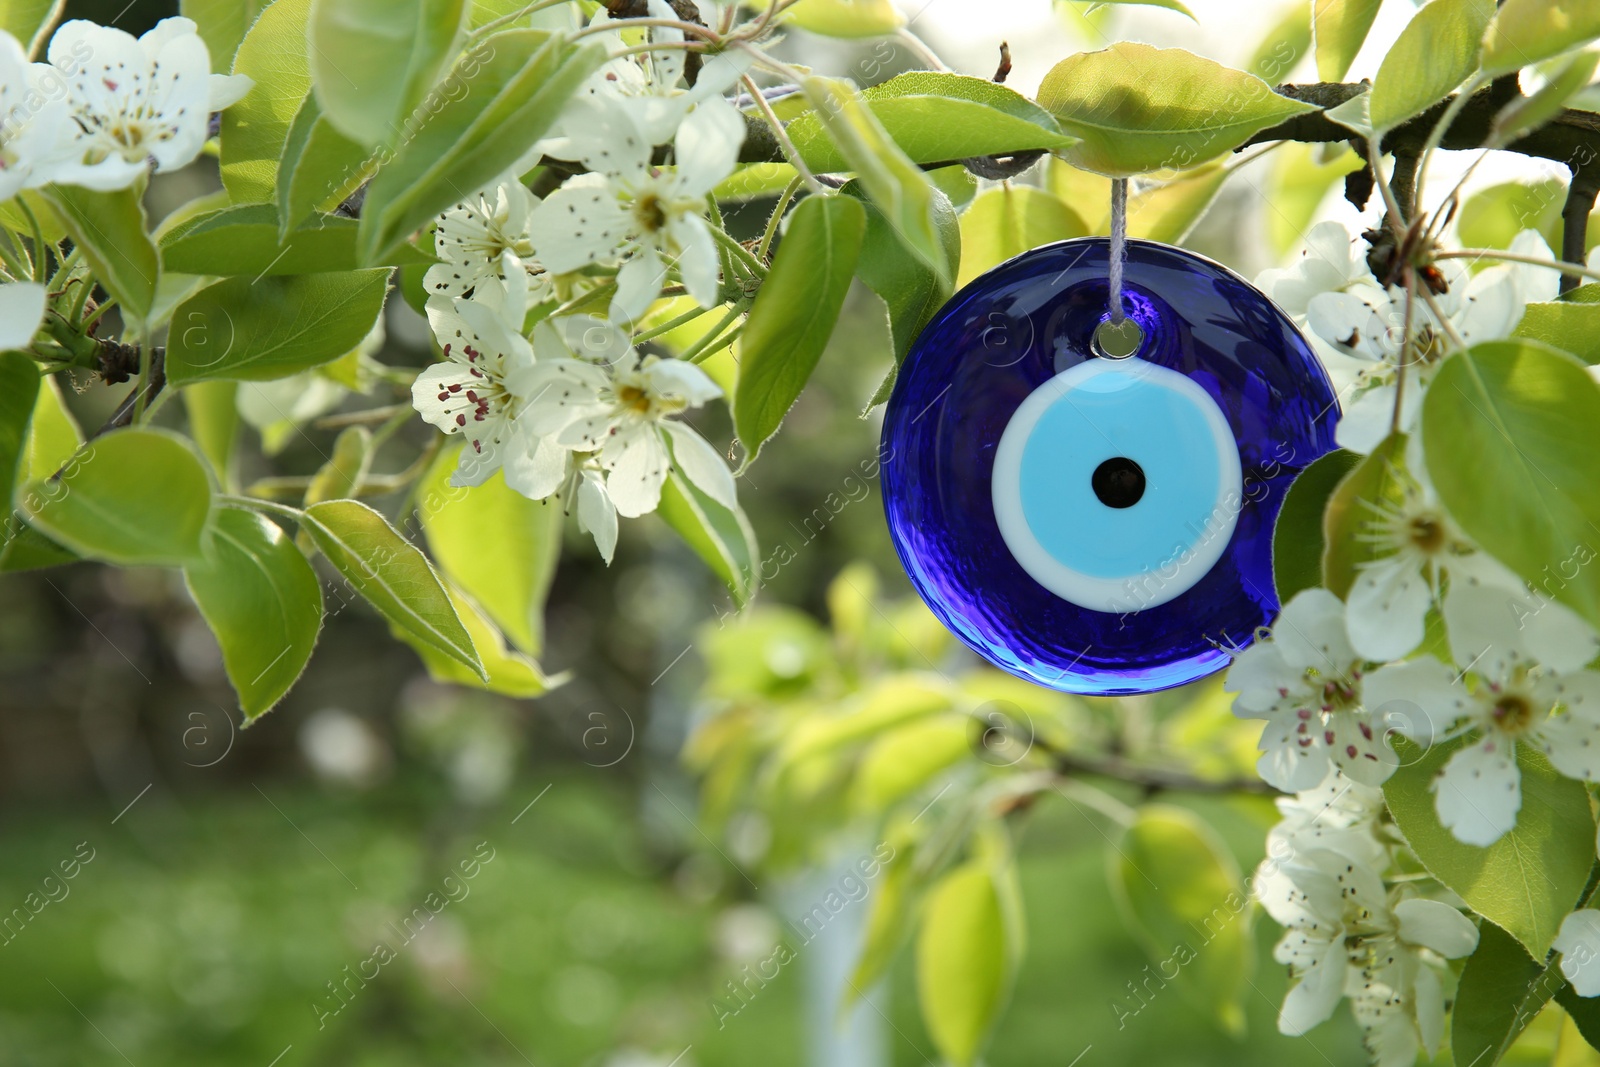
{"points": [[1093, 524]]}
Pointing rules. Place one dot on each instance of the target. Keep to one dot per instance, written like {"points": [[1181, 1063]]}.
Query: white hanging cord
{"points": [[1119, 245], [1118, 337]]}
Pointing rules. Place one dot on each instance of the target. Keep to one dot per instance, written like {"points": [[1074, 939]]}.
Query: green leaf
{"points": [[392, 575], [938, 118], [889, 921], [845, 18], [1181, 892], [1170, 5], [24, 548], [19, 388], [1585, 1014], [1500, 993], [1435, 53], [373, 61], [1350, 510], [273, 52], [909, 289], [264, 603], [1527, 881], [1169, 211], [900, 189], [903, 761], [1340, 28], [320, 167], [274, 327], [110, 230], [1009, 220], [1510, 429], [222, 25], [214, 424], [53, 435], [495, 544], [1140, 108], [1531, 31], [246, 240], [1570, 325], [962, 971], [1524, 114], [502, 96], [507, 673], [30, 21], [720, 537], [795, 311], [341, 476], [131, 497], [1297, 540], [1492, 217], [754, 181], [1283, 46]]}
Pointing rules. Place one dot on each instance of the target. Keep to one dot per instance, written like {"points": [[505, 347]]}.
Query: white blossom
{"points": [[472, 393], [1520, 680], [1346, 935], [1305, 681], [646, 84], [137, 99], [1339, 815], [621, 407], [627, 210], [1414, 544], [485, 251], [1367, 322]]}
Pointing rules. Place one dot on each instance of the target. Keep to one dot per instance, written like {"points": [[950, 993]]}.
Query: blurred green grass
{"points": [[205, 928]]}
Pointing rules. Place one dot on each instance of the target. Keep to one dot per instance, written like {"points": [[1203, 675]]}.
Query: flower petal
{"points": [[597, 514], [537, 470], [637, 472], [1312, 1001], [1310, 632], [1419, 699], [1366, 420], [21, 310], [700, 463], [580, 223], [1291, 758], [1578, 941], [1437, 926], [1479, 792], [639, 282], [1388, 606], [707, 145]]}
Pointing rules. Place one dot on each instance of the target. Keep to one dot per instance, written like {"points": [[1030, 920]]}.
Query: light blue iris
{"points": [[1122, 413]]}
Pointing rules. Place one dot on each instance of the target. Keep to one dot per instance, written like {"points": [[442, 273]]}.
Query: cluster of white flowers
{"points": [[105, 110], [1336, 681], [577, 413], [1358, 326], [1347, 934]]}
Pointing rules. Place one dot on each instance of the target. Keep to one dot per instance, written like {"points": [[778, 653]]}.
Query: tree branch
{"points": [[1581, 196], [1153, 779]]}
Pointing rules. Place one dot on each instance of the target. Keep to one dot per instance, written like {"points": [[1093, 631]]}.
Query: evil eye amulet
{"points": [[1093, 524]]}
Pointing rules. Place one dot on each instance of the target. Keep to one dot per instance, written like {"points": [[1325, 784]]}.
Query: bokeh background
{"points": [[237, 879]]}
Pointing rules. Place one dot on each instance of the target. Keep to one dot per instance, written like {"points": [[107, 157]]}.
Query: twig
{"points": [[1154, 779], [1581, 196]]}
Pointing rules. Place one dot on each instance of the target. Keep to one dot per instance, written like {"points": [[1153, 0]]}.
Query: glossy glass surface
{"points": [[1014, 330]]}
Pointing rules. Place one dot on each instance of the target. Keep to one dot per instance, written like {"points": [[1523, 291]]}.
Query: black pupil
{"points": [[1118, 482]]}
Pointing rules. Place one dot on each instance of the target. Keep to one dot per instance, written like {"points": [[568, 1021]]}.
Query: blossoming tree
{"points": [[545, 183]]}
